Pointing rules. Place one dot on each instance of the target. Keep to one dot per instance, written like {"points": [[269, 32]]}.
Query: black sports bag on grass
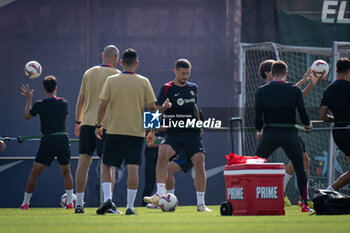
{"points": [[328, 202]]}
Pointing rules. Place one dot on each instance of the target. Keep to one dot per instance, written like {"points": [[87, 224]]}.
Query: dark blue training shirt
{"points": [[183, 101]]}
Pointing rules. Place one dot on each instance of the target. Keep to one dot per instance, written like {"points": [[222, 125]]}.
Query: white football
{"points": [[168, 202], [320, 68], [32, 69], [63, 200]]}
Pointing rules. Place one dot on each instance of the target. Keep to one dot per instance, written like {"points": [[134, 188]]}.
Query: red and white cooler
{"points": [[254, 189]]}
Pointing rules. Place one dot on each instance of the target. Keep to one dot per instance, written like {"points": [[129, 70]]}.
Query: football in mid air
{"points": [[320, 68], [32, 69]]}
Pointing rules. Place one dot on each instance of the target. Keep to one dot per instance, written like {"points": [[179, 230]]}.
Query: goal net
{"points": [[298, 59]]}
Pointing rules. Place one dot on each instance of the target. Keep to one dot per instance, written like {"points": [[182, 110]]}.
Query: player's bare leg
{"points": [[37, 169], [164, 154], [68, 184], [67, 176], [81, 174], [200, 180], [343, 180], [113, 178], [172, 169]]}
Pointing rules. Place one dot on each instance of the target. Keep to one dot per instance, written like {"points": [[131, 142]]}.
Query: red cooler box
{"points": [[255, 189]]}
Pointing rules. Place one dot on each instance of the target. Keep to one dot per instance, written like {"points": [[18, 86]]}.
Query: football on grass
{"points": [[168, 202], [63, 201]]}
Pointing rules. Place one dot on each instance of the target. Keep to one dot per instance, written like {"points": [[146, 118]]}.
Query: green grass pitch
{"points": [[184, 219]]}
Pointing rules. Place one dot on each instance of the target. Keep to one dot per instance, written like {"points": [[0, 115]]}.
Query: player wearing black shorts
{"points": [[86, 116], [178, 99], [276, 102], [126, 95], [336, 98], [53, 112], [179, 163]]}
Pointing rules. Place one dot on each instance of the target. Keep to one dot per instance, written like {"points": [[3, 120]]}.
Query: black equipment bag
{"points": [[328, 202]]}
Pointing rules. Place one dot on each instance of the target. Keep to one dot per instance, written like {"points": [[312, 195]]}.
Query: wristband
{"points": [[78, 122], [98, 126]]}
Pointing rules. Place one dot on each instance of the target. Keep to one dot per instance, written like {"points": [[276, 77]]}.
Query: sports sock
{"points": [[27, 197], [304, 202], [106, 187], [131, 198], [80, 199], [171, 191], [200, 198], [161, 190], [69, 196], [330, 188], [286, 179]]}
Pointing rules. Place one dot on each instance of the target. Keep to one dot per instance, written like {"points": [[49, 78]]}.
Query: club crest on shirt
{"points": [[180, 101]]}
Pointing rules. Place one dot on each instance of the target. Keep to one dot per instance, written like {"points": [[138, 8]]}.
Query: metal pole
{"points": [[240, 96], [232, 120], [275, 51]]}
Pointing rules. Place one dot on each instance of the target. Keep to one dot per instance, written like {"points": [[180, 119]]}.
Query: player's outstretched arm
{"points": [[28, 94], [304, 78], [308, 88]]}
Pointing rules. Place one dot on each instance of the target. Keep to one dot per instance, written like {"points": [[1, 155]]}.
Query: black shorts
{"points": [[88, 142], [122, 147], [184, 163], [185, 146], [341, 139], [52, 146]]}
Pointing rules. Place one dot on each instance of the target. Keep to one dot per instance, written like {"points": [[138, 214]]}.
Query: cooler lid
{"points": [[261, 168]]}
